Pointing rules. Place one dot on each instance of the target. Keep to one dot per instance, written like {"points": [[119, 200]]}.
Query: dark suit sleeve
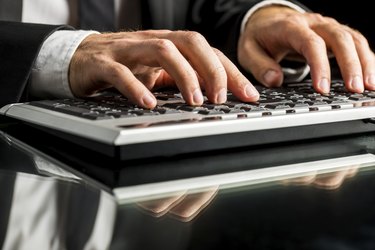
{"points": [[219, 21], [19, 46]]}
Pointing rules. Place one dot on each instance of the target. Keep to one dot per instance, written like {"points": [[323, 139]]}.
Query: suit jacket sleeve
{"points": [[219, 21], [19, 47]]}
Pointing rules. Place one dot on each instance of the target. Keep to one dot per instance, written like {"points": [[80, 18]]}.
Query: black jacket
{"points": [[217, 20]]}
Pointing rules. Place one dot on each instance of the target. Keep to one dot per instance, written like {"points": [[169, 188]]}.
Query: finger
{"points": [[341, 42], [124, 81], [257, 61], [366, 57], [205, 62], [238, 84], [313, 48], [165, 53]]}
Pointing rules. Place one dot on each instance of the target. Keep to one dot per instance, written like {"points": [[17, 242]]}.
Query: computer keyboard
{"points": [[108, 123], [291, 99]]}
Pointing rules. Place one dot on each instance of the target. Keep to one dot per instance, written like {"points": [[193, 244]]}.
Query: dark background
{"points": [[357, 14]]}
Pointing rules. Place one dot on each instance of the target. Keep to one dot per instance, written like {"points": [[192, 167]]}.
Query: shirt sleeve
{"points": [[290, 74], [49, 75]]}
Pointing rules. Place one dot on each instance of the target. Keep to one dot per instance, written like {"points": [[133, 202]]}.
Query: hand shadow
{"points": [[328, 181], [184, 206]]}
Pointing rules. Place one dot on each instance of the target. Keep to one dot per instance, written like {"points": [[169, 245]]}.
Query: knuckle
{"points": [[99, 59], [163, 46], [331, 20], [115, 71], [311, 43], [193, 37], [147, 33], [342, 35], [317, 17], [359, 38], [313, 40], [100, 56], [293, 20], [218, 72], [218, 52]]}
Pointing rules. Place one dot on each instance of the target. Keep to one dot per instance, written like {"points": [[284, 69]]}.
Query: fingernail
{"points": [[324, 85], [251, 91], [197, 97], [270, 77], [222, 97], [149, 100], [357, 84]]}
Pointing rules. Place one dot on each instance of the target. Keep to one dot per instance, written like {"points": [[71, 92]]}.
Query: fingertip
{"points": [[251, 92], [357, 84], [272, 78], [148, 101], [222, 96], [324, 86], [197, 97]]}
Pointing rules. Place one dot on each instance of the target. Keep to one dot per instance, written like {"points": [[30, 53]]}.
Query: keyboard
{"points": [[108, 123]]}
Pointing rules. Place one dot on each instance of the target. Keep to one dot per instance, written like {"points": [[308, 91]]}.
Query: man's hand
{"points": [[274, 33], [135, 63]]}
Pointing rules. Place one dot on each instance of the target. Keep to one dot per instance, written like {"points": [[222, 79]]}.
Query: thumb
{"points": [[257, 61]]}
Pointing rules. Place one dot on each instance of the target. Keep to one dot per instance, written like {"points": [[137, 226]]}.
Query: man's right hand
{"points": [[135, 63]]}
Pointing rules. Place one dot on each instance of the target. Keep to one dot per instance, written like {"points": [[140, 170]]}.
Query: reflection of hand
{"points": [[184, 207], [276, 32], [325, 181], [137, 62]]}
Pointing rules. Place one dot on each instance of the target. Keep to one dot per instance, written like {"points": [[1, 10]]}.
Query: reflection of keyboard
{"points": [[282, 114]]}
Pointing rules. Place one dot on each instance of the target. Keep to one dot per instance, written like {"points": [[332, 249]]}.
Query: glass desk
{"points": [[310, 195]]}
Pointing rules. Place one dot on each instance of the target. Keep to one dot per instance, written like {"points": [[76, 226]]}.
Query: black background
{"points": [[356, 14]]}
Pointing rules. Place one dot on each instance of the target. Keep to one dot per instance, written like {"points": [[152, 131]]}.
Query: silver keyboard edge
{"points": [[114, 135]]}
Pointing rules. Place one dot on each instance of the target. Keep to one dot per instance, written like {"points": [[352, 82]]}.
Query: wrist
{"points": [[267, 3]]}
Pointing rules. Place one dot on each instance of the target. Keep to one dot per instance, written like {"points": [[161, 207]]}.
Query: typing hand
{"points": [[136, 63], [185, 207], [274, 33]]}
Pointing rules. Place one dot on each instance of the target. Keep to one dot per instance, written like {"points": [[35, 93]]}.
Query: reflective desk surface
{"points": [[305, 195]]}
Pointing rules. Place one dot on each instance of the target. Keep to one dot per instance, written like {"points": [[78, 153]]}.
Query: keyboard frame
{"points": [[188, 132], [125, 144]]}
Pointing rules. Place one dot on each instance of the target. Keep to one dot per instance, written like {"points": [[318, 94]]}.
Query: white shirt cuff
{"points": [[49, 75], [290, 75], [267, 3]]}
